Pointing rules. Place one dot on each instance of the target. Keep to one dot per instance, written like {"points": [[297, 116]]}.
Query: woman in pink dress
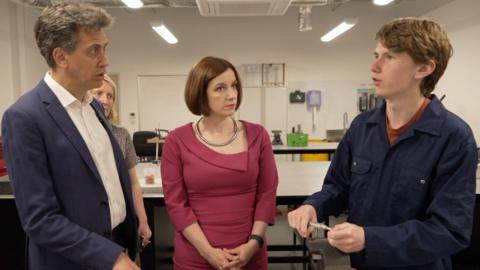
{"points": [[219, 177]]}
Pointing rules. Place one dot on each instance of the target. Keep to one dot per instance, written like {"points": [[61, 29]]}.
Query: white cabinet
{"points": [[266, 106], [251, 107], [276, 106]]}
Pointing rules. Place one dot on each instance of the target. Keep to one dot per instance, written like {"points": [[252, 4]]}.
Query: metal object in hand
{"points": [[320, 226]]}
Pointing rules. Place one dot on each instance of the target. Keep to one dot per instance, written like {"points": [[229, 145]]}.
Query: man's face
{"points": [[86, 65], [394, 73]]}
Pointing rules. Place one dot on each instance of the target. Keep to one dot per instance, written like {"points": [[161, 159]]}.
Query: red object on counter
{"points": [[149, 179], [3, 166]]}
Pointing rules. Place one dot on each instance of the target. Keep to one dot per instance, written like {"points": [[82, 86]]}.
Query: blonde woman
{"points": [[106, 95]]}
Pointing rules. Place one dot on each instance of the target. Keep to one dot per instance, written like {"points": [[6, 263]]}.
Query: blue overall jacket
{"points": [[414, 199]]}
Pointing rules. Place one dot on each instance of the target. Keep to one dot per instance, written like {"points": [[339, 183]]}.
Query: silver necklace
{"points": [[199, 134]]}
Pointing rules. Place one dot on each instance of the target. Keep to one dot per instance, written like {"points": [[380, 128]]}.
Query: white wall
{"points": [[461, 81], [21, 66], [336, 68], [6, 76], [32, 66]]}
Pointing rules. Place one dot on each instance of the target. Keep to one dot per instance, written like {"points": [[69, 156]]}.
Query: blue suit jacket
{"points": [[60, 197]]}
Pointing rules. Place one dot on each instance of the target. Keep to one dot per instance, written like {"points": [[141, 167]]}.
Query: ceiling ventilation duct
{"points": [[310, 2], [114, 3], [243, 7], [206, 7]]}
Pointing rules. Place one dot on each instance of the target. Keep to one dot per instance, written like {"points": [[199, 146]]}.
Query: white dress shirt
{"points": [[96, 138]]}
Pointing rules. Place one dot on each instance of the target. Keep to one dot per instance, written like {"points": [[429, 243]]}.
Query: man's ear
{"points": [[60, 57], [425, 69]]}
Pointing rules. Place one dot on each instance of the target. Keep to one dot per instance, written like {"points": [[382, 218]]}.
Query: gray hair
{"points": [[59, 25]]}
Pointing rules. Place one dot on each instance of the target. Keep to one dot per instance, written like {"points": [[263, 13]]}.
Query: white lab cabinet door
{"points": [[251, 107], [265, 106], [161, 102], [276, 105]]}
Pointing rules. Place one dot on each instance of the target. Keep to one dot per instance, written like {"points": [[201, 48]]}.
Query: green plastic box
{"points": [[297, 139]]}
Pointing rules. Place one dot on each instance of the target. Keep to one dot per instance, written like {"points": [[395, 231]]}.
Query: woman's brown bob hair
{"points": [[198, 79]]}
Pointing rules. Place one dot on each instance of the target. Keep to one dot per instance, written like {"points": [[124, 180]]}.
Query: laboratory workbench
{"points": [[297, 180], [311, 148]]}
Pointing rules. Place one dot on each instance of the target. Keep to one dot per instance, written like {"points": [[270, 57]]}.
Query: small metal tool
{"points": [[320, 226]]}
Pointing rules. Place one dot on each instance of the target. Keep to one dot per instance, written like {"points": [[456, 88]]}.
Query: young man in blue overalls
{"points": [[406, 171]]}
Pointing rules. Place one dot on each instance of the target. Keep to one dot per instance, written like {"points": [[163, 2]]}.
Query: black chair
{"points": [[144, 149]]}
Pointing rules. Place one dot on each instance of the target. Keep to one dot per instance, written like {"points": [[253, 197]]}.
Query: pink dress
{"points": [[224, 193]]}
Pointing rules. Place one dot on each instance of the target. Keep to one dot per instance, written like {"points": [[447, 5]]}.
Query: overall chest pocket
{"points": [[361, 171], [410, 192], [360, 166]]}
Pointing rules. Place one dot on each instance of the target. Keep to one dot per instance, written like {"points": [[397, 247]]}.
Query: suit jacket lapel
{"points": [[117, 152], [61, 117]]}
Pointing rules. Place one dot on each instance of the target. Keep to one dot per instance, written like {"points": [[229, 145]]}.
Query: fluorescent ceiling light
{"points": [[133, 3], [163, 31], [337, 31], [382, 2]]}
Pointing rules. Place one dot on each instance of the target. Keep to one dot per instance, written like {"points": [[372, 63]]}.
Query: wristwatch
{"points": [[257, 238]]}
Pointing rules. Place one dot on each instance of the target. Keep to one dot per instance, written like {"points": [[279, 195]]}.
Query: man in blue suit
{"points": [[71, 186]]}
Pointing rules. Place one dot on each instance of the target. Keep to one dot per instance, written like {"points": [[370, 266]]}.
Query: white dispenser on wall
{"points": [[314, 101]]}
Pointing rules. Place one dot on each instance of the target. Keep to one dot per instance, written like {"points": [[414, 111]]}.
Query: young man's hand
{"points": [[300, 218], [347, 237]]}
